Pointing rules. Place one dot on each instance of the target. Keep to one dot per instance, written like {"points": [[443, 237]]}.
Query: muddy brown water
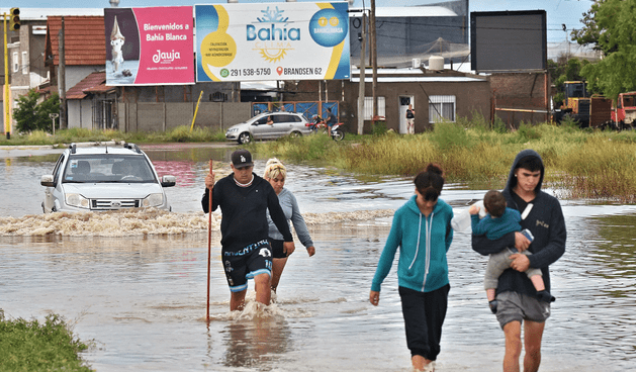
{"points": [[135, 284]]}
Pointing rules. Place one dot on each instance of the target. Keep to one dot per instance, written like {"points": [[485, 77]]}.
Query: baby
{"points": [[500, 221]]}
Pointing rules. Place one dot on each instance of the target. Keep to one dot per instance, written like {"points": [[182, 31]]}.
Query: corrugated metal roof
{"points": [[84, 42], [432, 79], [91, 81], [100, 89]]}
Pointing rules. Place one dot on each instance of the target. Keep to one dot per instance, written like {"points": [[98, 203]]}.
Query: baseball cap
{"points": [[241, 159]]}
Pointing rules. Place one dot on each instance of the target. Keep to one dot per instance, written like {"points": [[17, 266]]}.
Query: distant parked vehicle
{"points": [[257, 128], [104, 178]]}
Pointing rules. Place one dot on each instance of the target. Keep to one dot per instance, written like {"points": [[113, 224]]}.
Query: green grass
{"points": [[66, 136], [581, 163], [33, 346]]}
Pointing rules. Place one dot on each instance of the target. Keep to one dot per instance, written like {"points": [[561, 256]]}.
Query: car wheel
{"points": [[295, 134], [244, 138]]}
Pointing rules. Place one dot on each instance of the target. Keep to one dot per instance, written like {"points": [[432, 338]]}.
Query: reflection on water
{"points": [[616, 251], [136, 282], [256, 343]]}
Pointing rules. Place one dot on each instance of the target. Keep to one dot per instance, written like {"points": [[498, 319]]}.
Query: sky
{"points": [[559, 12]]}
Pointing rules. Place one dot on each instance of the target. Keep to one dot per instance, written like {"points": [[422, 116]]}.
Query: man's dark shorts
{"points": [[247, 263], [277, 248], [513, 306]]}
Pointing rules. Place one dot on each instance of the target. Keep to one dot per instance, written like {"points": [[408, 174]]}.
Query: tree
{"points": [[610, 26], [30, 115]]}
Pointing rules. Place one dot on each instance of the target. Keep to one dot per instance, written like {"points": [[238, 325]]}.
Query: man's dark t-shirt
{"points": [[331, 120]]}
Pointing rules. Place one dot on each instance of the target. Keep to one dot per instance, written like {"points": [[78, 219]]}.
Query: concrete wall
{"points": [[152, 117], [175, 93], [75, 74], [178, 114]]}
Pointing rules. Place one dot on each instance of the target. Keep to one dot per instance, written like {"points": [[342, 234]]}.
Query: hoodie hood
{"points": [[512, 180]]}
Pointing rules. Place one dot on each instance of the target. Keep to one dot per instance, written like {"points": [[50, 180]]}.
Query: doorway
{"points": [[404, 102]]}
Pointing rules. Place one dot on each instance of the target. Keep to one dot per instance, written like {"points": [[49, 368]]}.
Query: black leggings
{"points": [[277, 248], [424, 314]]}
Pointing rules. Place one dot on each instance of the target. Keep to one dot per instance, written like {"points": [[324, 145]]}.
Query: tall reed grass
{"points": [[583, 163], [65, 136]]}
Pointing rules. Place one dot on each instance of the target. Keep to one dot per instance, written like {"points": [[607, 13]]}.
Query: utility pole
{"points": [[362, 68], [61, 78], [374, 62], [7, 117]]}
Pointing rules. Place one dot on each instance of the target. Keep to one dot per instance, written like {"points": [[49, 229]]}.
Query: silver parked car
{"points": [[281, 124], [104, 178]]}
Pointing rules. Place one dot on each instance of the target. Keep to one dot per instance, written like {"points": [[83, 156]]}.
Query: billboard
{"points": [[508, 41], [149, 46], [283, 41]]}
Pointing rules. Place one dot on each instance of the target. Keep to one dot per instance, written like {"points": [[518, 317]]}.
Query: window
{"points": [[368, 107], [441, 108], [25, 63], [16, 62]]}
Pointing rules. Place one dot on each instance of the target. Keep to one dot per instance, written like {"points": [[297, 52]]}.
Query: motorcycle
{"points": [[320, 126]]}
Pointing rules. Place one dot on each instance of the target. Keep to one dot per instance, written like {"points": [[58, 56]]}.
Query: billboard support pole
{"points": [[362, 80]]}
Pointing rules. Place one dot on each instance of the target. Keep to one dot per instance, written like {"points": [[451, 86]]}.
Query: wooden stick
{"points": [[207, 311]]}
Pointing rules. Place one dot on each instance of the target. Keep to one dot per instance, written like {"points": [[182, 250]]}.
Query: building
{"points": [[27, 57], [435, 95]]}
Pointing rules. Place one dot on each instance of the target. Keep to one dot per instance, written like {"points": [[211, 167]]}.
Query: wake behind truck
{"points": [[596, 111]]}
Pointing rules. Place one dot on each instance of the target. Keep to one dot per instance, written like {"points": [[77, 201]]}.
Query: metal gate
{"points": [[308, 109], [103, 115]]}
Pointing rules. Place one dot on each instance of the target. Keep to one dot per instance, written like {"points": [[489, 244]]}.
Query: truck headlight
{"points": [[77, 200], [153, 200]]}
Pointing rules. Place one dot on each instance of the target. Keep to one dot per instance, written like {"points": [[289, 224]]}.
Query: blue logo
{"points": [[328, 27]]}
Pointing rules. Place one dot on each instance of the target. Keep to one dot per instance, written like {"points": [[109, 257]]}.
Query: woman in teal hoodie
{"points": [[421, 229]]}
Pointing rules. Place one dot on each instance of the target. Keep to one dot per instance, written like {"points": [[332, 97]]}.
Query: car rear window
{"points": [[285, 118]]}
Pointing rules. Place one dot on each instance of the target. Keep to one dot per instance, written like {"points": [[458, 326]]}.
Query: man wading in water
{"points": [[244, 199], [517, 300]]}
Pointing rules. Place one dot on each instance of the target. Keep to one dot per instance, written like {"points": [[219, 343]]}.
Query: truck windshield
{"points": [[629, 101], [97, 168]]}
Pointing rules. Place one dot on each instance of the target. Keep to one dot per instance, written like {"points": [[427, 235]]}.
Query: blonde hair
{"points": [[274, 169]]}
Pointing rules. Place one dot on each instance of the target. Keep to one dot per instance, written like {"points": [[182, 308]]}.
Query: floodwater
{"points": [[134, 284]]}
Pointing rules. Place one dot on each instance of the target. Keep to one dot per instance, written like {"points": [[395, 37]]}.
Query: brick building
{"points": [[521, 97], [434, 95]]}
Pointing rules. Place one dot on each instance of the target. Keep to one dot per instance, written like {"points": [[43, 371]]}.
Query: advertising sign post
{"points": [[149, 46], [284, 41]]}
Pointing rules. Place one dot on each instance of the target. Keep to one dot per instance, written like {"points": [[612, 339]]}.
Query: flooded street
{"points": [[137, 289]]}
